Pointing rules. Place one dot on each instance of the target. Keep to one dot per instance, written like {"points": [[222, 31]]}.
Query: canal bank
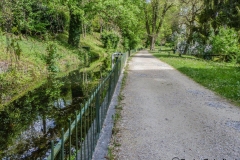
{"points": [[30, 122]]}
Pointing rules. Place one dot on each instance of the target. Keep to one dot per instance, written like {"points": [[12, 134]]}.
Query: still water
{"points": [[28, 124]]}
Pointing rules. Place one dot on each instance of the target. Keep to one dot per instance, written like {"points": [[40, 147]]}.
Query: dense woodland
{"points": [[38, 37]]}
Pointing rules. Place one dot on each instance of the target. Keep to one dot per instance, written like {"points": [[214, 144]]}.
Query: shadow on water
{"points": [[29, 123]]}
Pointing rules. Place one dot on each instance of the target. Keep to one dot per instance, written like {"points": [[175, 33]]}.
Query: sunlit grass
{"points": [[222, 78], [32, 67]]}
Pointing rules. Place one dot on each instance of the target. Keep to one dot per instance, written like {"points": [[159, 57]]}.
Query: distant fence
{"points": [[80, 139]]}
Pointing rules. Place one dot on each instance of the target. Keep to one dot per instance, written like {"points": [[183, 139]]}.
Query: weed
{"points": [[110, 154]]}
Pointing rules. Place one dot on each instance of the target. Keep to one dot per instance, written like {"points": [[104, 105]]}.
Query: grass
{"points": [[31, 69], [98, 54], [222, 78], [34, 51]]}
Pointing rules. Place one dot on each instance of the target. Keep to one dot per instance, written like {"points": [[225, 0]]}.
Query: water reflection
{"points": [[31, 122]]}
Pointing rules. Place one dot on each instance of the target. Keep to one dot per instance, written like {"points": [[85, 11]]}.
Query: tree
{"points": [[217, 13], [76, 14], [155, 12], [190, 10], [122, 17], [226, 44]]}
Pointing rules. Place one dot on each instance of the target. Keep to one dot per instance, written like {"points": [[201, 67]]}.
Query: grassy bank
{"points": [[222, 78], [19, 74]]}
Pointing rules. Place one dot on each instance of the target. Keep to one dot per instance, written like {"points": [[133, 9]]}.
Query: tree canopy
{"points": [[184, 23]]}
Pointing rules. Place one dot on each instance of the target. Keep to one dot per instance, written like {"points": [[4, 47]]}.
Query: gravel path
{"points": [[167, 115]]}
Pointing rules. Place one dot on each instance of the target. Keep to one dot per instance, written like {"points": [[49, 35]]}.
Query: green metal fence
{"points": [[80, 139]]}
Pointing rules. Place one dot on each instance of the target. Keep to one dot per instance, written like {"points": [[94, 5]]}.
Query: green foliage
{"points": [[225, 43], [110, 39], [52, 57], [76, 18], [220, 13], [32, 17], [12, 79], [13, 48], [122, 16], [216, 15]]}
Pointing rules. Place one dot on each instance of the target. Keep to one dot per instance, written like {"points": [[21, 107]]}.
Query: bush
{"points": [[110, 39], [32, 17], [52, 57], [226, 43]]}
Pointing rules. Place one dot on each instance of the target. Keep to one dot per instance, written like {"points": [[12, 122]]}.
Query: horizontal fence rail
{"points": [[80, 139]]}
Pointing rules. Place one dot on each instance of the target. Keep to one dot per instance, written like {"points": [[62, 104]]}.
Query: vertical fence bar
{"points": [[115, 73], [76, 132], [81, 127], [85, 128], [52, 150], [62, 146], [70, 139], [95, 123], [88, 129], [109, 88], [97, 110], [92, 126], [91, 131], [120, 65]]}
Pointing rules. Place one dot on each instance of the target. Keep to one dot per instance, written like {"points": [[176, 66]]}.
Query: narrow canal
{"points": [[29, 123]]}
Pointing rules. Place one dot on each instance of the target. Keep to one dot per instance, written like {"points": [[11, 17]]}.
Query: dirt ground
{"points": [[165, 115]]}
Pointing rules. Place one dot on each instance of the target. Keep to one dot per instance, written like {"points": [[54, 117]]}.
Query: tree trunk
{"points": [[152, 43], [189, 39], [83, 33], [44, 124], [85, 30], [74, 30]]}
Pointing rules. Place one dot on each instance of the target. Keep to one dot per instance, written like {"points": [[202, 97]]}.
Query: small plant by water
{"points": [[51, 57]]}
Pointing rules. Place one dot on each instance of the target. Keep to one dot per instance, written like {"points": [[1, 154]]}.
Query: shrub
{"points": [[226, 43], [52, 57], [110, 39], [32, 17]]}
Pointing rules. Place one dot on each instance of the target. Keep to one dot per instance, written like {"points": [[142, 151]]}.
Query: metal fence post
{"points": [[92, 127], [85, 129], [115, 75], [81, 127], [76, 132], [70, 139], [110, 88], [62, 147], [52, 150], [97, 110], [87, 119]]}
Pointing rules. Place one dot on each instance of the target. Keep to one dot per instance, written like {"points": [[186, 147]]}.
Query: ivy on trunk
{"points": [[74, 29]]}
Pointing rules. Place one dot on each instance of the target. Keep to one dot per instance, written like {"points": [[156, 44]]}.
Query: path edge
{"points": [[101, 150]]}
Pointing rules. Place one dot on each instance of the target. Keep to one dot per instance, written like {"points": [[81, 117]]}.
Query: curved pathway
{"points": [[165, 115]]}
